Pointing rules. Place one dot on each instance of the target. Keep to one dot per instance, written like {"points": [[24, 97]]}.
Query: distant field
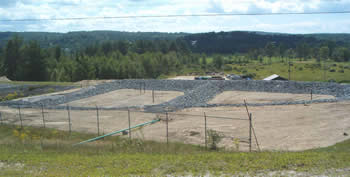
{"points": [[300, 71]]}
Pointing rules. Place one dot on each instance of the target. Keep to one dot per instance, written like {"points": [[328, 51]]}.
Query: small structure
{"points": [[275, 77]]}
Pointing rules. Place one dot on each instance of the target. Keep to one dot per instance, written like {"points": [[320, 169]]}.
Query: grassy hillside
{"points": [[47, 152]]}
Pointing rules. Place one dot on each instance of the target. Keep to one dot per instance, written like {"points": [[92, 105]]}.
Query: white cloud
{"points": [[23, 9]]}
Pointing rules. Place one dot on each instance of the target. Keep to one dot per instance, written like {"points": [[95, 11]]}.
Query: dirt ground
{"points": [[34, 98], [289, 127], [238, 97], [182, 78], [126, 97], [87, 83]]}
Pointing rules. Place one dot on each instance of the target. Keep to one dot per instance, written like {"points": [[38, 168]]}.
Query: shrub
{"points": [[341, 71], [332, 70], [214, 139], [51, 90]]}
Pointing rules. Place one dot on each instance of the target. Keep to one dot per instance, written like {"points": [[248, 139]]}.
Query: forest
{"points": [[154, 55]]}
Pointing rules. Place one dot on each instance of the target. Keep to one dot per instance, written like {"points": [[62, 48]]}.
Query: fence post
{"points": [[153, 95], [205, 131], [98, 121], [250, 132], [129, 124], [167, 128], [69, 121], [144, 87], [42, 113], [20, 115], [311, 94]]}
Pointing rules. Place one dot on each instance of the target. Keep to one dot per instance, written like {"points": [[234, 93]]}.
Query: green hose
{"points": [[119, 131]]}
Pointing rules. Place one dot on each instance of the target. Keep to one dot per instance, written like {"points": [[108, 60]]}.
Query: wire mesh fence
{"points": [[205, 129]]}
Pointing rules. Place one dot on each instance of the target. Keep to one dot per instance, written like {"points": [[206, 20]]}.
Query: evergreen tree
{"points": [[12, 56]]}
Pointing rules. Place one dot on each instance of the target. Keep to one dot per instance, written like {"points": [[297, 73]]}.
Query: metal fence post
{"points": [[129, 124], [43, 116], [205, 131], [250, 132], [167, 128], [20, 115], [153, 95], [98, 121], [69, 120]]}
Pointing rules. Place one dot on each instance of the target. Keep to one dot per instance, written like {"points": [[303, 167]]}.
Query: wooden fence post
{"points": [[129, 124], [167, 128], [43, 116], [311, 94], [205, 131], [69, 120], [20, 115], [250, 132], [153, 95], [98, 121]]}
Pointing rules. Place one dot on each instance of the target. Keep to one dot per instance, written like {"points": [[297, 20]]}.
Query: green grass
{"points": [[310, 70], [117, 156], [300, 71]]}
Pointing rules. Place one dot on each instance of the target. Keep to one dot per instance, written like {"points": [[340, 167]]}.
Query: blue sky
{"points": [[24, 9]]}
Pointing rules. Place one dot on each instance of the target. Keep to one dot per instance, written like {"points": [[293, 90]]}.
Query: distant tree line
{"points": [[107, 60], [121, 59]]}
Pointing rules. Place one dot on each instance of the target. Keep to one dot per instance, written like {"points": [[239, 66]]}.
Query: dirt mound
{"points": [[4, 78]]}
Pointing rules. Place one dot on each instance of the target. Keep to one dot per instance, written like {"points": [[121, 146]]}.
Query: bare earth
{"points": [[126, 97], [292, 127], [238, 97]]}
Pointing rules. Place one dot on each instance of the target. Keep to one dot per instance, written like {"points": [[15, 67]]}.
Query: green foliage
{"points": [[11, 96], [214, 138]]}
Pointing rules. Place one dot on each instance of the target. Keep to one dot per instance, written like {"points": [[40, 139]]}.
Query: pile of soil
{"points": [[4, 78]]}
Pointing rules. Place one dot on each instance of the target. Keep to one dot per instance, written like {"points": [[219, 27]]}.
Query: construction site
{"points": [[247, 115]]}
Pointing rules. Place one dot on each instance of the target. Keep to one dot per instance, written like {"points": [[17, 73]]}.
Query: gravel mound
{"points": [[197, 92]]}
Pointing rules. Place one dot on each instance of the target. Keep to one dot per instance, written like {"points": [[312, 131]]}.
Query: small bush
{"points": [[11, 96], [341, 71], [214, 139], [51, 90], [332, 70], [300, 68]]}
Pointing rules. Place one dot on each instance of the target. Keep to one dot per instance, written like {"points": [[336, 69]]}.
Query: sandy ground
{"points": [[126, 97], [182, 78], [87, 83], [4, 78], [186, 78], [238, 97], [292, 127], [33, 98]]}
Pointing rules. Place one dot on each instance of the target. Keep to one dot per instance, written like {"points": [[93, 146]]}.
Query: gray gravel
{"points": [[197, 92]]}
